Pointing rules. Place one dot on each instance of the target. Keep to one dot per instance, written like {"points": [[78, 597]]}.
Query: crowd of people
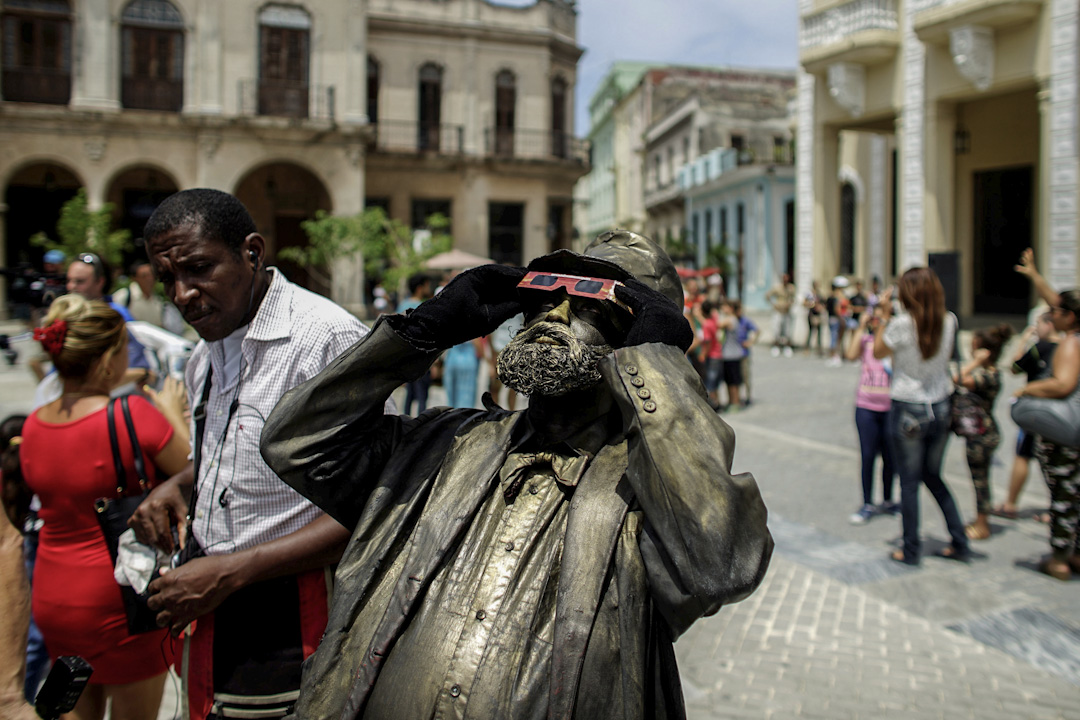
{"points": [[280, 466]]}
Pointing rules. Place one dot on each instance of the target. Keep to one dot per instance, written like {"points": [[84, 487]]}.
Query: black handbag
{"points": [[113, 515]]}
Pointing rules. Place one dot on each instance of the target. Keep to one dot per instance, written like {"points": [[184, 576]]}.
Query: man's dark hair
{"points": [[136, 265], [219, 215], [416, 280]]}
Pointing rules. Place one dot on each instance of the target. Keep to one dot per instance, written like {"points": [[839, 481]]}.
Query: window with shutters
{"points": [[152, 53], [559, 141], [505, 100], [284, 47], [430, 106], [36, 56]]}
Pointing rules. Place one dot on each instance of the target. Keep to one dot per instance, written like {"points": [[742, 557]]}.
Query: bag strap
{"points": [[200, 430], [140, 463], [118, 464]]}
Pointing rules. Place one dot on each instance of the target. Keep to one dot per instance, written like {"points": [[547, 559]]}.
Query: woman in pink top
{"points": [[871, 411]]}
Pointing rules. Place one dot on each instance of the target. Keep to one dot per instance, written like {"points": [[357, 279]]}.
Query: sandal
{"points": [[1001, 512], [1041, 517], [898, 556], [974, 532], [951, 553], [1060, 573]]}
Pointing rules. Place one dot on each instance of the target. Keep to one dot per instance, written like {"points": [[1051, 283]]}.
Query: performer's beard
{"points": [[552, 369]]}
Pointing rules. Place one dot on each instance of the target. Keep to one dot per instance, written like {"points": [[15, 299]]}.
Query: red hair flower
{"points": [[52, 337]]}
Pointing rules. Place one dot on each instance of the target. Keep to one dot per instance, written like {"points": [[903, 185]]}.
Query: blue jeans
{"points": [[873, 441], [835, 330], [37, 657], [919, 434], [417, 390]]}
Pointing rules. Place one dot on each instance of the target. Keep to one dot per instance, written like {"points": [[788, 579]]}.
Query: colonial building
{"points": [[940, 132], [462, 107], [472, 103]]}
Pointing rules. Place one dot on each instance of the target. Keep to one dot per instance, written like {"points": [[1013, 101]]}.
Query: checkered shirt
{"points": [[294, 335]]}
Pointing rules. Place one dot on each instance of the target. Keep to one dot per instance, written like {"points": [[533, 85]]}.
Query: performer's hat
{"points": [[618, 254]]}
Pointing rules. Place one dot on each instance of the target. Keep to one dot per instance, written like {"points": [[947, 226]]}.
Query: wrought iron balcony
{"points": [[152, 94], [36, 85], [513, 143], [284, 98], [405, 136]]}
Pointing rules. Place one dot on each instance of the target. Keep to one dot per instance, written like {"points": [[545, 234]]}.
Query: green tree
{"points": [[80, 229], [721, 258], [390, 248]]}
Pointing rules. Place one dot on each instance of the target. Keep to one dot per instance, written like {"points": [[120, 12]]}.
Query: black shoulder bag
{"points": [[113, 515]]}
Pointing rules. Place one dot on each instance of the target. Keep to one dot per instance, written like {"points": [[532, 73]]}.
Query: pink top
{"points": [[873, 392]]}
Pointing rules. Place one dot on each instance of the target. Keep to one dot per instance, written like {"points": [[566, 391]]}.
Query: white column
{"points": [[96, 77], [203, 63], [352, 99], [1060, 264], [911, 141], [876, 240], [804, 184]]}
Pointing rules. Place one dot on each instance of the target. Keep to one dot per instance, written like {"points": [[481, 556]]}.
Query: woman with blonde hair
{"points": [[920, 342], [66, 458]]}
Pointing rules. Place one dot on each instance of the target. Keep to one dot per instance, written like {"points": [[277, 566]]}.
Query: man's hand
{"points": [[472, 305], [656, 318], [194, 589], [152, 521]]}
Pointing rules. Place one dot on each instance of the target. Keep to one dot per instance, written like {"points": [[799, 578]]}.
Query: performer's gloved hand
{"points": [[472, 305], [657, 319]]}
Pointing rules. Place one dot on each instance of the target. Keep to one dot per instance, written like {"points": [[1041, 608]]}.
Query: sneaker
{"points": [[862, 515], [788, 352], [834, 361], [889, 508], [775, 352]]}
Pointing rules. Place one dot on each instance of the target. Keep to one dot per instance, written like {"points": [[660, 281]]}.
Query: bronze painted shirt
{"points": [[489, 614]]}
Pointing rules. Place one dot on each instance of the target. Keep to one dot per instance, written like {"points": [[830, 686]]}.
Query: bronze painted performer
{"points": [[531, 564]]}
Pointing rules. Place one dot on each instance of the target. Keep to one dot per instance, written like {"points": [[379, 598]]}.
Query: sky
{"points": [[744, 33]]}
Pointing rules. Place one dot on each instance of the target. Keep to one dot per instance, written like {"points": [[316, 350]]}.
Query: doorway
{"points": [[1004, 211], [506, 232]]}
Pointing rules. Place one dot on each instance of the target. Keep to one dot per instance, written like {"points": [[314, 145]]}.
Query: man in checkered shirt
{"points": [[256, 587]]}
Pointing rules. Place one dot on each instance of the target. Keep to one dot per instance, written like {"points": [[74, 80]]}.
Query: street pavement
{"points": [[837, 630]]}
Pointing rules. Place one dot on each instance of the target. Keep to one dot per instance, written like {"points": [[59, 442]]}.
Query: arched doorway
{"points": [[33, 197], [134, 194], [280, 196]]}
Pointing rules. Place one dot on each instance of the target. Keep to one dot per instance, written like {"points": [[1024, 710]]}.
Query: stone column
{"points": [[352, 99], [938, 179], [1059, 133], [204, 63], [912, 190], [95, 76], [877, 236], [347, 286], [805, 185]]}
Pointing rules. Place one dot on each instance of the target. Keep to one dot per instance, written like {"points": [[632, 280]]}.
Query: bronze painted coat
{"points": [[659, 532]]}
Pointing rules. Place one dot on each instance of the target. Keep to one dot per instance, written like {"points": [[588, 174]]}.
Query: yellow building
{"points": [[462, 106], [940, 132]]}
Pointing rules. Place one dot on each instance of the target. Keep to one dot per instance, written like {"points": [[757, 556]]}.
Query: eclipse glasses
{"points": [[582, 286]]}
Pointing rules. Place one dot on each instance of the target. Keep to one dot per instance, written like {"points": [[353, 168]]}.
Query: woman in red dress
{"points": [[66, 459]]}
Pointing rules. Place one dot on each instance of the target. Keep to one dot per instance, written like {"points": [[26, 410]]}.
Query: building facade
{"points": [[472, 105], [940, 132], [462, 108]]}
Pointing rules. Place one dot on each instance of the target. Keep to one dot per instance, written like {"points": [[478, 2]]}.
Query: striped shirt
{"points": [[293, 336]]}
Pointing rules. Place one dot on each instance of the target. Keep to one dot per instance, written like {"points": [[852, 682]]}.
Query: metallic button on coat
{"points": [[631, 369], [510, 545], [455, 691], [644, 394], [533, 489], [649, 406], [637, 382], [480, 614]]}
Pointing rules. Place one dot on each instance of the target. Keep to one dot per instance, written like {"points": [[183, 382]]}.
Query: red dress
{"points": [[76, 601]]}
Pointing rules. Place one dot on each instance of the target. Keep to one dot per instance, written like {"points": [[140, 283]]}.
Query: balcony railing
{"points": [[841, 21], [715, 163], [286, 99], [535, 145], [152, 94], [405, 136], [36, 85]]}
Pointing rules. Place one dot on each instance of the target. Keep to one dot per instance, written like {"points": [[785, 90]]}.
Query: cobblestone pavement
{"points": [[837, 630]]}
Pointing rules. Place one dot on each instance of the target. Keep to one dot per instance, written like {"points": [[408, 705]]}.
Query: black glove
{"points": [[472, 305], [657, 319]]}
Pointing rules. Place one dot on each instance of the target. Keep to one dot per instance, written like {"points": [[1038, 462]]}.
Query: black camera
{"points": [[63, 686]]}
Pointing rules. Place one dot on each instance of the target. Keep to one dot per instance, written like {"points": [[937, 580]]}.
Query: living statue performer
{"points": [[531, 564]]}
